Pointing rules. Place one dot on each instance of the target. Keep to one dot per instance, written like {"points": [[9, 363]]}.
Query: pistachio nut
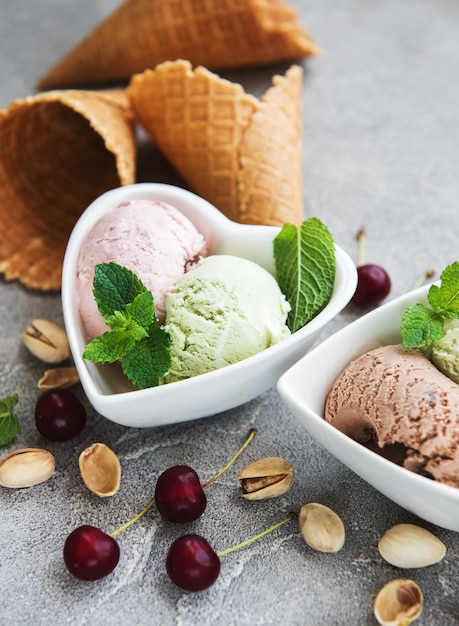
{"points": [[321, 527], [59, 378], [47, 341], [26, 467], [266, 478], [100, 469], [408, 545], [398, 603]]}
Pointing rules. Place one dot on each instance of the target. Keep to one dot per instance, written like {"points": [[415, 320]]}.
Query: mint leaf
{"points": [[114, 287], [9, 424], [142, 309], [305, 269], [119, 320], [135, 338], [420, 326], [445, 299], [149, 360], [110, 346], [136, 318]]}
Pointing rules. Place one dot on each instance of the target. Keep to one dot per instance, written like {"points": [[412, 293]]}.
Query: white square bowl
{"points": [[304, 389], [110, 392]]}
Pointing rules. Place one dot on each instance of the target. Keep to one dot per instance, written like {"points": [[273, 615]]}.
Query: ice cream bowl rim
{"points": [[108, 390], [305, 386]]}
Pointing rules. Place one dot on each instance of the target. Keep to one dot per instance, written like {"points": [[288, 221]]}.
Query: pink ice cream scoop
{"points": [[152, 239]]}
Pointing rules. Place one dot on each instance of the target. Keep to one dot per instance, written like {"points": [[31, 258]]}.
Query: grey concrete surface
{"points": [[381, 150]]}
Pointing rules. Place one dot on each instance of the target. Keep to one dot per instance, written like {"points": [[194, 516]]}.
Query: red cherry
{"points": [[192, 563], [179, 496], [90, 554], [373, 282], [59, 415], [373, 285]]}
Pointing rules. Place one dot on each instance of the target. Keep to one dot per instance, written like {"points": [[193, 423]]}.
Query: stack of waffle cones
{"points": [[61, 149]]}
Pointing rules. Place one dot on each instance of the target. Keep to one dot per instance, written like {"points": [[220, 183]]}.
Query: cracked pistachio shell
{"points": [[26, 467], [398, 603], [47, 341], [266, 478], [408, 545], [59, 378], [100, 469], [321, 527]]}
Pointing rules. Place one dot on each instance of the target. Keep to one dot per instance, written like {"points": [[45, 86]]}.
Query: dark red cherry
{"points": [[373, 285], [192, 563], [59, 415], [179, 496], [90, 554]]}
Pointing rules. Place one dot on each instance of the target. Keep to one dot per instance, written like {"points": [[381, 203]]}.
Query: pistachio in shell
{"points": [[47, 341], [26, 467], [266, 478], [408, 545], [398, 603], [321, 527], [100, 469]]}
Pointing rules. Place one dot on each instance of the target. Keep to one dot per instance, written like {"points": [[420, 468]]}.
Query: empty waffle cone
{"points": [[217, 34], [58, 151], [241, 153]]}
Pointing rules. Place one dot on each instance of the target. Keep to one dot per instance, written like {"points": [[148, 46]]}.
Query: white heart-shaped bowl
{"points": [[305, 386], [105, 386]]}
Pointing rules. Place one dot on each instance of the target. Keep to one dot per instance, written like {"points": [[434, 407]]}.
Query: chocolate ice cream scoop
{"points": [[392, 395]]}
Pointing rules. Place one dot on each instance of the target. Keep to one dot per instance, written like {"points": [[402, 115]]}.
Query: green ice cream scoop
{"points": [[224, 310], [445, 351]]}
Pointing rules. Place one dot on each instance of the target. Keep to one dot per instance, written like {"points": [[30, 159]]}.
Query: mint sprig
{"points": [[422, 325], [135, 337], [305, 269], [9, 424]]}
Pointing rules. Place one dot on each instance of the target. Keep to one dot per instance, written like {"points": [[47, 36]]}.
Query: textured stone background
{"points": [[381, 149]]}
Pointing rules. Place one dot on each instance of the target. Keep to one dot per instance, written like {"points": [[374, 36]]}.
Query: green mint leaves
{"points": [[422, 325], [9, 424], [305, 269], [135, 338]]}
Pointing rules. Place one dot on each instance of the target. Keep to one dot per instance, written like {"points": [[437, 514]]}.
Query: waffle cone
{"points": [[58, 151], [270, 182], [241, 153], [217, 34]]}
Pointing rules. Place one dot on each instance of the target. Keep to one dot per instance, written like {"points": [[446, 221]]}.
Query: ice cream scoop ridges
{"points": [[395, 395]]}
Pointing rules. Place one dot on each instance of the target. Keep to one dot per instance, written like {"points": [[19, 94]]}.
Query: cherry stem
{"points": [[361, 241], [247, 542], [119, 530], [151, 504], [427, 274], [252, 433]]}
